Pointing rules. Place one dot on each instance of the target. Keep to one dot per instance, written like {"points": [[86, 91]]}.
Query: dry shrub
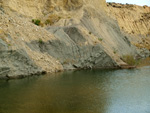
{"points": [[130, 60], [52, 19]]}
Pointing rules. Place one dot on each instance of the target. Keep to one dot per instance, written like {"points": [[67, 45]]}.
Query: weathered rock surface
{"points": [[79, 35], [135, 21], [137, 16]]}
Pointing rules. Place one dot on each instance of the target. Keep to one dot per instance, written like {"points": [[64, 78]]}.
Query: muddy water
{"points": [[87, 91]]}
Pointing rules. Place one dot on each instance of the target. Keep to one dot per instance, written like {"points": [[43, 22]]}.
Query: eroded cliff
{"points": [[135, 21], [72, 34]]}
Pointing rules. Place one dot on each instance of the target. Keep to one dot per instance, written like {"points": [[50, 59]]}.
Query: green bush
{"points": [[100, 39], [36, 21], [41, 41]]}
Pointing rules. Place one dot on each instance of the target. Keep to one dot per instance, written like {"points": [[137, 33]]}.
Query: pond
{"points": [[85, 91]]}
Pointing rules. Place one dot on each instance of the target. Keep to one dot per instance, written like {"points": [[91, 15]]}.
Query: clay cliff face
{"points": [[133, 20], [73, 34], [39, 8]]}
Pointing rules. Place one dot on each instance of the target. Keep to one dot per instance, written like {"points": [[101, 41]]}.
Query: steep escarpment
{"points": [[39, 8], [72, 34], [137, 16], [135, 21]]}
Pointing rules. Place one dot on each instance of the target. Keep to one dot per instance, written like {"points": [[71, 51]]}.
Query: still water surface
{"points": [[87, 91]]}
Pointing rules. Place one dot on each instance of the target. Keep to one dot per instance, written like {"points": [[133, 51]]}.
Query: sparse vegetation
{"points": [[47, 22], [95, 42], [41, 41], [90, 32], [130, 60], [100, 39], [36, 22], [145, 6], [52, 19], [114, 51]]}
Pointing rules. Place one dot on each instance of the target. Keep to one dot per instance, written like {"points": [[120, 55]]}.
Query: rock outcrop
{"points": [[135, 21], [137, 16], [72, 34]]}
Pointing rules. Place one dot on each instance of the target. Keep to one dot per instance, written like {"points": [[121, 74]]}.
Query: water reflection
{"points": [[87, 91]]}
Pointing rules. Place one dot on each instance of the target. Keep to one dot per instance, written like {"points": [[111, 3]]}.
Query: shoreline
{"points": [[44, 72]]}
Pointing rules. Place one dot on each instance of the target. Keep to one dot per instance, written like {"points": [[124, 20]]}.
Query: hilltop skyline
{"points": [[139, 2]]}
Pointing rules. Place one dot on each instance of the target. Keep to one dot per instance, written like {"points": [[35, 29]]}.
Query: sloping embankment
{"points": [[83, 36]]}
